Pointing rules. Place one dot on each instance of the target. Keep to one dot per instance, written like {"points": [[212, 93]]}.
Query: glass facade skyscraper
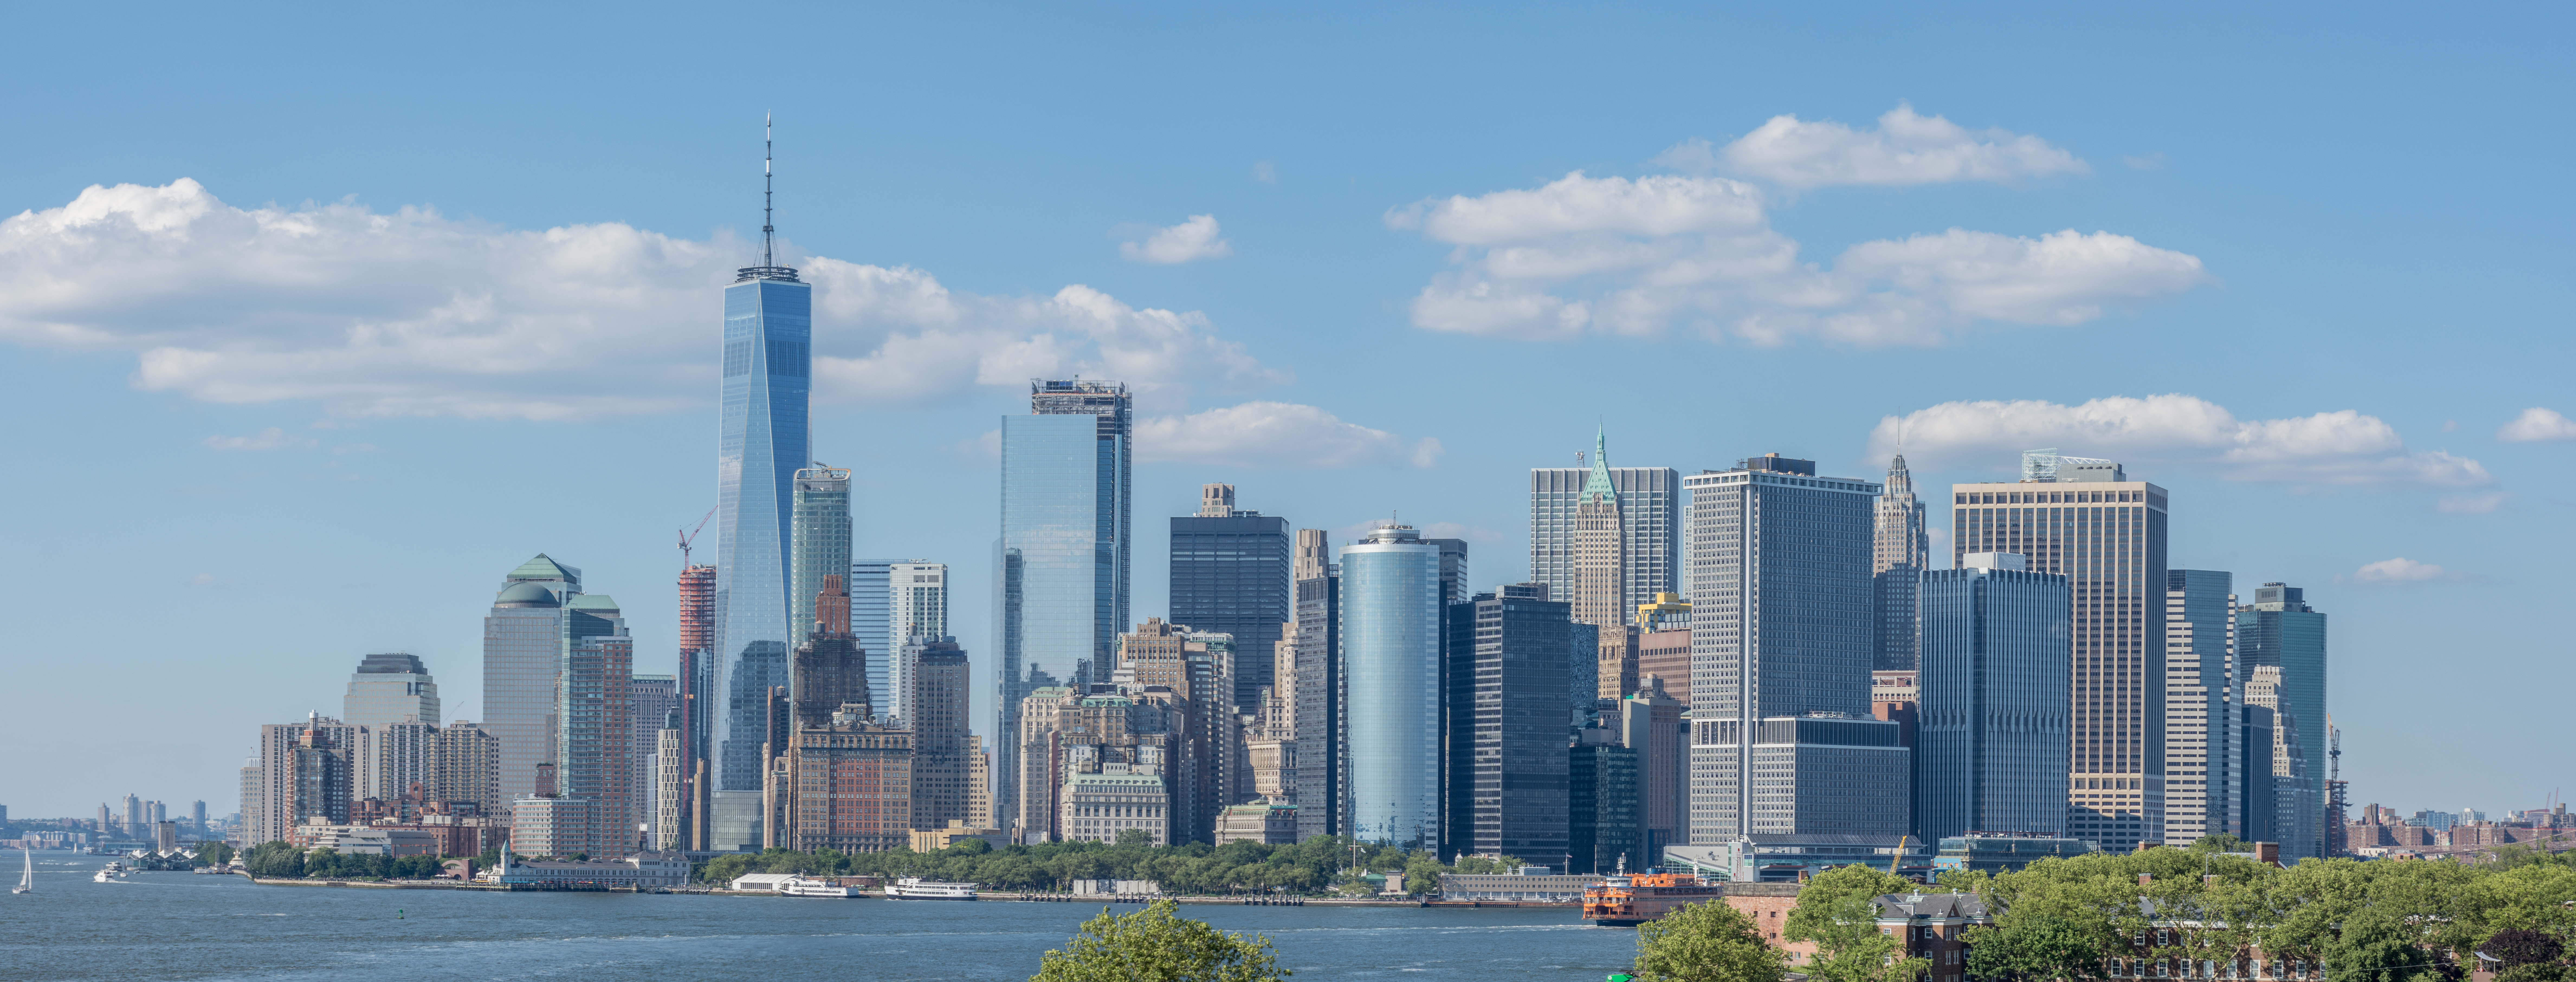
{"points": [[2203, 692], [822, 530], [388, 687], [1507, 742], [1230, 575], [762, 440], [2279, 629], [523, 647], [1391, 626], [1991, 743], [1060, 568]]}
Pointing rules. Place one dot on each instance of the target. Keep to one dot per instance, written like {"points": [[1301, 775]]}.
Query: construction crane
{"points": [[692, 536]]}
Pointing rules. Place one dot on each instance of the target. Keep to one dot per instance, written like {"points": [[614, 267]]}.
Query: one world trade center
{"points": [[762, 441]]}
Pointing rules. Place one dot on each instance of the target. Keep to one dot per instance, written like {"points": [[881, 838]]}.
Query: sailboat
{"points": [[26, 880]]}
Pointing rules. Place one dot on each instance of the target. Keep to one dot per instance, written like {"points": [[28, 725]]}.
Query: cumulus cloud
{"points": [[271, 438], [2537, 425], [1585, 255], [1276, 436], [411, 313], [2400, 570], [1906, 148], [1190, 240], [2342, 448]]}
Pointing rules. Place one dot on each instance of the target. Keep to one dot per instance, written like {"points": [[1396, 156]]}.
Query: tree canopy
{"points": [[1156, 944], [1706, 942]]}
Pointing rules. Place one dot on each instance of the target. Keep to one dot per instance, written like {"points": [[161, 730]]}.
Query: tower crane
{"points": [[692, 535]]}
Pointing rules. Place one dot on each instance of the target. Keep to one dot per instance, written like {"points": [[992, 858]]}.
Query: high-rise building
{"points": [[1061, 565], [594, 735], [2081, 518], [1196, 667], [1391, 629], [763, 437], [134, 817], [668, 833], [838, 780], [392, 757], [523, 647], [273, 807], [916, 607], [196, 816], [872, 621], [1323, 774], [1901, 548], [1663, 647], [1991, 745], [979, 784], [388, 688], [822, 542], [1781, 642], [1599, 594], [1514, 658], [1231, 575], [652, 698], [2203, 789], [1653, 725], [2279, 628], [1604, 831], [465, 765], [2294, 807], [1649, 506], [940, 744], [699, 692]]}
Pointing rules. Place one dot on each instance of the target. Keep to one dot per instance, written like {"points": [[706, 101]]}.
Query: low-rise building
{"points": [[933, 840], [2003, 852], [1268, 823], [1100, 806], [1525, 887], [640, 871], [364, 840]]}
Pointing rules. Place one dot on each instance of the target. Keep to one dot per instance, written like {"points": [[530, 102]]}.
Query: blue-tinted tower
{"points": [[761, 442], [1392, 637]]}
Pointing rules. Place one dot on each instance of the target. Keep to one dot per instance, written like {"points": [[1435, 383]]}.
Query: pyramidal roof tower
{"points": [[762, 440]]}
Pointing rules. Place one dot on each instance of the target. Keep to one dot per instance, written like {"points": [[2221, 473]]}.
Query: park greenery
{"points": [[2067, 919], [1317, 866], [1156, 944], [281, 861]]}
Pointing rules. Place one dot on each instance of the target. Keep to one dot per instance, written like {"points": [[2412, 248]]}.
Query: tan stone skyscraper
{"points": [[2084, 519], [1901, 551], [1600, 595]]}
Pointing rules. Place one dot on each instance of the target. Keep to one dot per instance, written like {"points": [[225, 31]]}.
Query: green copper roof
{"points": [[1599, 482], [542, 568], [592, 601]]}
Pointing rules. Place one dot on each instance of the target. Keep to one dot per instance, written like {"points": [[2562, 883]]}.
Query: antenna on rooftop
{"points": [[767, 150]]}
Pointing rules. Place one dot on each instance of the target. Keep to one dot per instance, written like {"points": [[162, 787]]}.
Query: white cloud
{"points": [[1266, 174], [1190, 240], [2344, 448], [1906, 148], [2537, 425], [271, 438], [410, 313], [1276, 436], [1638, 256], [2471, 504], [2401, 570]]}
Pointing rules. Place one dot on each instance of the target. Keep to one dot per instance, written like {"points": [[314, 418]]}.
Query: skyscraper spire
{"points": [[768, 232], [1599, 482]]}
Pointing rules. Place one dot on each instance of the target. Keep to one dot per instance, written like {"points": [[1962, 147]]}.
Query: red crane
{"points": [[692, 535]]}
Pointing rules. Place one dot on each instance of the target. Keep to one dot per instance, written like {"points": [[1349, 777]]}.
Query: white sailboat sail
{"points": [[27, 880]]}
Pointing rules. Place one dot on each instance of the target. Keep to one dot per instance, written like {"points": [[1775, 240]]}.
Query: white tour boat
{"points": [[802, 887], [915, 888]]}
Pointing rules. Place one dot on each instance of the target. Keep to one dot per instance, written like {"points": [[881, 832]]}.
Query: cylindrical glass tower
{"points": [[1391, 605]]}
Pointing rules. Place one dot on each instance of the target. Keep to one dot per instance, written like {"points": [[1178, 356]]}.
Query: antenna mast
{"points": [[767, 150]]}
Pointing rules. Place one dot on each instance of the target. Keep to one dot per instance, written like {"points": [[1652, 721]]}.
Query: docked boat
{"points": [[915, 888], [802, 887], [26, 880], [1627, 901]]}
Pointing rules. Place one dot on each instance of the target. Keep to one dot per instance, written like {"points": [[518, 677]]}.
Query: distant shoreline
{"points": [[1216, 901]]}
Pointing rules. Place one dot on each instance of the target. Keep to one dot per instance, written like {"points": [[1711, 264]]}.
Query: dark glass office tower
{"points": [[1230, 574], [1323, 771], [762, 440], [1060, 570], [1511, 646]]}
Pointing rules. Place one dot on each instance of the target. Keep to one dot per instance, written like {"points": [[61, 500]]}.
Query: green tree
{"points": [[1158, 945], [1823, 906], [2032, 949], [1706, 942], [1850, 946]]}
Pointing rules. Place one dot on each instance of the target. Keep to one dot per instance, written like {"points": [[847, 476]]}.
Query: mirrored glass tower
{"points": [[761, 442]]}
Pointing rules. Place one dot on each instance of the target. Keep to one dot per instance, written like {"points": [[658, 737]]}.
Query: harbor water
{"points": [[186, 926]]}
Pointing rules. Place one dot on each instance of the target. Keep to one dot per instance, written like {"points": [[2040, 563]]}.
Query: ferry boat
{"points": [[915, 888], [801, 887], [1627, 901]]}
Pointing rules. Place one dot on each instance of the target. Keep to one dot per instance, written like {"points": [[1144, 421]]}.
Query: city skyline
{"points": [[382, 435]]}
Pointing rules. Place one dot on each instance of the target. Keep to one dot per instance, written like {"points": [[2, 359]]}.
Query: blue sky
{"points": [[314, 322]]}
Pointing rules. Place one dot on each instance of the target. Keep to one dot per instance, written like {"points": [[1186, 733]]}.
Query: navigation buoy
{"points": [[398, 913]]}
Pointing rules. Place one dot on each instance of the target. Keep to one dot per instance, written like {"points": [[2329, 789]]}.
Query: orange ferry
{"points": [[1627, 901]]}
